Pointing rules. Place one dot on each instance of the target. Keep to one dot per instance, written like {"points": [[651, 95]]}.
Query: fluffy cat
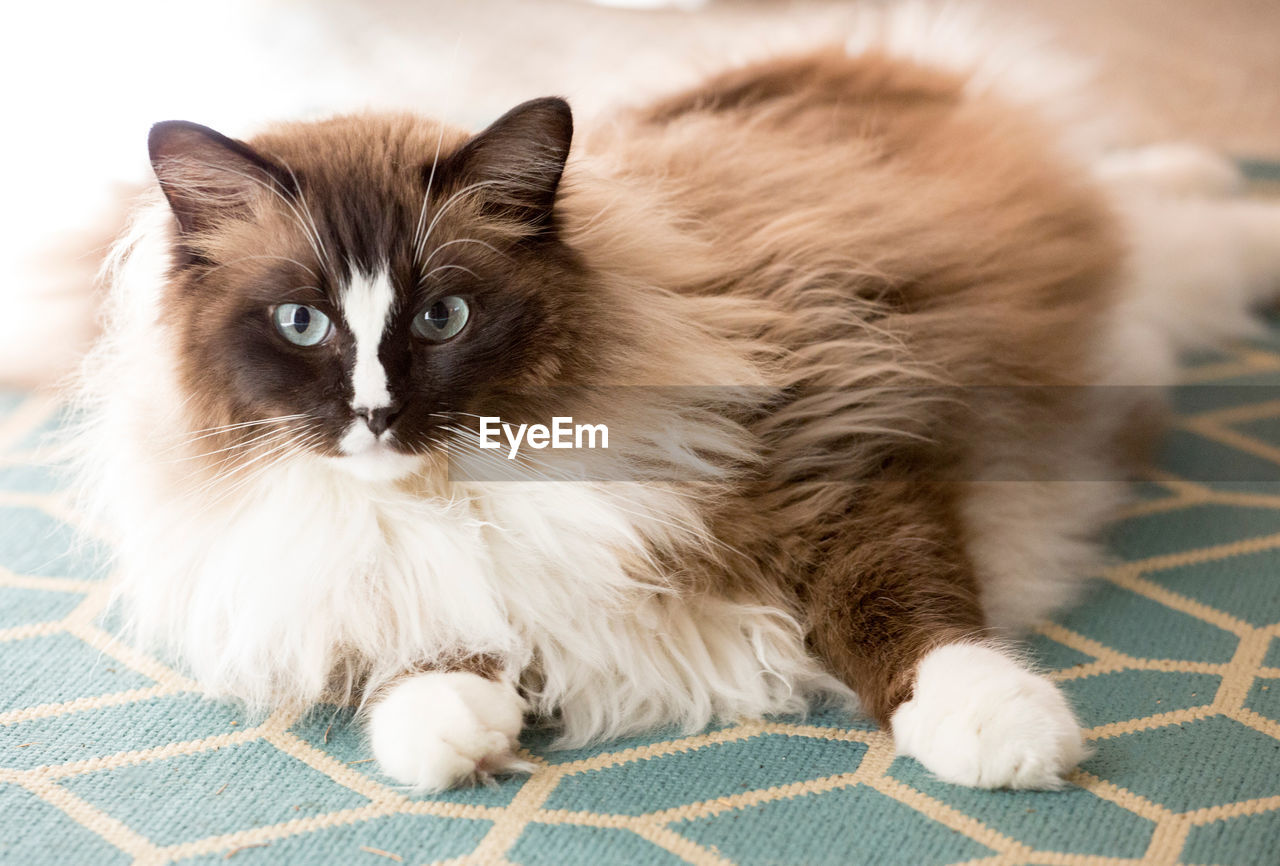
{"points": [[842, 312]]}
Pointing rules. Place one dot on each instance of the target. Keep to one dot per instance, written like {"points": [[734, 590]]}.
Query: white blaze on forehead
{"points": [[366, 305]]}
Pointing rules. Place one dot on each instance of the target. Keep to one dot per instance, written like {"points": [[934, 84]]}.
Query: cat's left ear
{"points": [[516, 163], [207, 176]]}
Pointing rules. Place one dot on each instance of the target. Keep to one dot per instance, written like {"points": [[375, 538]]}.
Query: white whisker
{"points": [[454, 199], [273, 187], [447, 244], [438, 268], [206, 432], [221, 265], [258, 438], [277, 454], [302, 200], [418, 238]]}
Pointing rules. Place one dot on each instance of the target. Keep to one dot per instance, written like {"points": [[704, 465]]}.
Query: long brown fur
{"points": [[895, 238]]}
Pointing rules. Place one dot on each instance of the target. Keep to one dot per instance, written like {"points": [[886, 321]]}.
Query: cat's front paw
{"points": [[433, 731], [978, 718]]}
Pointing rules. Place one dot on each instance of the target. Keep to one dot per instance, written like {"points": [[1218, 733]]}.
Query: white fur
{"points": [[366, 306], [979, 718], [369, 457], [435, 730]]}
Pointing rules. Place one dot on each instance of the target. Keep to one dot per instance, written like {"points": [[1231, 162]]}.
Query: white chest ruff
{"points": [[266, 588], [311, 574]]}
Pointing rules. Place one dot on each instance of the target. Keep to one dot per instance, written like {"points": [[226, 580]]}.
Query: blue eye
{"points": [[302, 325], [442, 319]]}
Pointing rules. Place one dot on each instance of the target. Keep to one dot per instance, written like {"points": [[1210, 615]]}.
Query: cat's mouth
{"points": [[374, 456]]}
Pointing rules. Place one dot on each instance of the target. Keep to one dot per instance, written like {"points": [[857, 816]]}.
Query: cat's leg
{"points": [[437, 729], [1033, 544], [895, 613]]}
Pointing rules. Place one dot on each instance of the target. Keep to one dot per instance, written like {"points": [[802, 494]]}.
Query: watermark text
{"points": [[562, 433]]}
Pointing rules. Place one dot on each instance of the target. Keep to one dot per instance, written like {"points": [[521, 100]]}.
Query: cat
{"points": [[849, 320]]}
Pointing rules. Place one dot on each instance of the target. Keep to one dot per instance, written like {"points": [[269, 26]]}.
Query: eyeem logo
{"points": [[562, 433]]}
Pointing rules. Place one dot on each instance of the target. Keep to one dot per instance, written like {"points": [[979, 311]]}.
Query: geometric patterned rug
{"points": [[111, 756]]}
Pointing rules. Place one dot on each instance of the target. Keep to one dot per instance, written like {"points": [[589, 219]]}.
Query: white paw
{"points": [[435, 730], [978, 718]]}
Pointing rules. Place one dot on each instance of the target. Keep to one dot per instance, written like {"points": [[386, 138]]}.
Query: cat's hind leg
{"points": [[1033, 544], [895, 612], [438, 729]]}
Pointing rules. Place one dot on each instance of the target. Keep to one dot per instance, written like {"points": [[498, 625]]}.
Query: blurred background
{"points": [[84, 81]]}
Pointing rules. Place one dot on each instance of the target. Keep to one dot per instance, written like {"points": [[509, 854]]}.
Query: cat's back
{"points": [[920, 188]]}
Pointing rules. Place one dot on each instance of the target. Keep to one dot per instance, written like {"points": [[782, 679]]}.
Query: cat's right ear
{"points": [[516, 163], [207, 176]]}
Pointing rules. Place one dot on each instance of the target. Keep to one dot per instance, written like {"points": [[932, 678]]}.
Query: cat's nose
{"points": [[379, 419]]}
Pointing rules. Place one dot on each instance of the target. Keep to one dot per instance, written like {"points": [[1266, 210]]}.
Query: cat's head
{"points": [[368, 280]]}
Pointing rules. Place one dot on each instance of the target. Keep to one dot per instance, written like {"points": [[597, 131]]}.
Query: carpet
{"points": [[108, 755]]}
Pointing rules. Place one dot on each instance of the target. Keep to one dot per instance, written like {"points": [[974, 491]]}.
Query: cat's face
{"points": [[369, 282]]}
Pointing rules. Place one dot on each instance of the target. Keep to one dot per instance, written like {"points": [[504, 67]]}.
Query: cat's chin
{"points": [[378, 463]]}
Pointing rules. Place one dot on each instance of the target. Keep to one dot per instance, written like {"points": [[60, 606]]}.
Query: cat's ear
{"points": [[516, 163], [207, 176]]}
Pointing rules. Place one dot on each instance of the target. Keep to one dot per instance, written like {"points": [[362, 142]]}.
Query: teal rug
{"points": [[111, 756]]}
